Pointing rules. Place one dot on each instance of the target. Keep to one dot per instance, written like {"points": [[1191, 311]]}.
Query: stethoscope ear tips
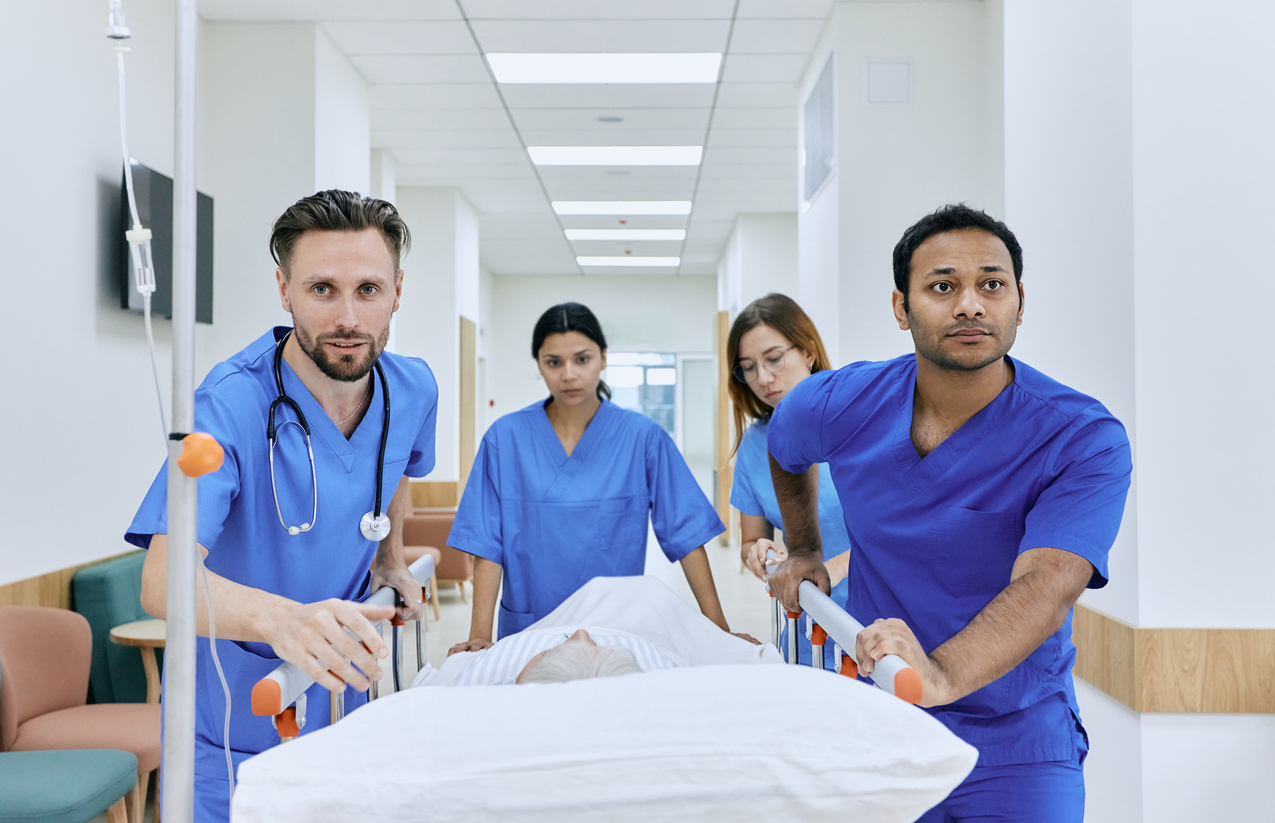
{"points": [[294, 531]]}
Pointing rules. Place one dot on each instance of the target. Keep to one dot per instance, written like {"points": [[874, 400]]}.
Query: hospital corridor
{"points": [[564, 411]]}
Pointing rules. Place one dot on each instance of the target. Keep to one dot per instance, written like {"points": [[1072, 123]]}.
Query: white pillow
{"points": [[736, 743]]}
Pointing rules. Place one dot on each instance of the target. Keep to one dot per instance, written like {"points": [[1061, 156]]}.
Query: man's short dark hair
{"points": [[950, 218], [336, 210]]}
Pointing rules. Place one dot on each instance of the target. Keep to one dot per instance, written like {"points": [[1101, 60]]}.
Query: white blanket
{"points": [[641, 606], [715, 739]]}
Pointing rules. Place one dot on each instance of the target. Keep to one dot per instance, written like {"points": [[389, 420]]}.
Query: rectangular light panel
{"points": [[622, 207], [626, 234], [605, 68], [615, 155], [629, 261]]}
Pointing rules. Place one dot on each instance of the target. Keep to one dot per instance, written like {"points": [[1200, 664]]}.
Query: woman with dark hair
{"points": [[773, 345], [561, 491]]}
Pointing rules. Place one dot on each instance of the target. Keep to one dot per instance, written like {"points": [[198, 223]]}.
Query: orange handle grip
{"points": [[849, 668]]}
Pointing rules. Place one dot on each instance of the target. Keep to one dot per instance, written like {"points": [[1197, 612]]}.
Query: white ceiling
{"points": [[436, 109]]}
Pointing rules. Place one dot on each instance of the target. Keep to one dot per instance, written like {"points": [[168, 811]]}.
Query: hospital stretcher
{"points": [[828, 620], [280, 695]]}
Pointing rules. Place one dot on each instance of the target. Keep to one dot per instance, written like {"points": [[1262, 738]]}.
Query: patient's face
{"points": [[580, 637]]}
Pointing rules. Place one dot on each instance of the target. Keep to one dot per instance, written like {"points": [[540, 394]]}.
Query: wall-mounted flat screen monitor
{"points": [[154, 194]]}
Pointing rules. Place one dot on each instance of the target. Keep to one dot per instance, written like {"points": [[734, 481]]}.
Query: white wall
{"points": [[342, 130], [637, 313], [384, 173], [441, 284], [893, 164], [73, 466], [760, 257], [1137, 177]]}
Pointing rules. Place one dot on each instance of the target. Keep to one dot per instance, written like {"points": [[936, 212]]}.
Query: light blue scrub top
{"points": [[556, 522], [752, 492], [1041, 466], [240, 528]]}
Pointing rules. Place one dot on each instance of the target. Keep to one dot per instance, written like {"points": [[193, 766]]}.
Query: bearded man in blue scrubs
{"points": [[290, 593], [981, 497]]}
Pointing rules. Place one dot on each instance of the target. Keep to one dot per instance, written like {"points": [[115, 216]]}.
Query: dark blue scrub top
{"points": [[936, 538]]}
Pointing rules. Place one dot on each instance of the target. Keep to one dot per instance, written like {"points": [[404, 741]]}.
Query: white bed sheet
{"points": [[723, 742]]}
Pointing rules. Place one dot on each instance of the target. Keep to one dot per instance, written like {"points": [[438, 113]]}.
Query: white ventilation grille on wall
{"points": [[820, 137]]}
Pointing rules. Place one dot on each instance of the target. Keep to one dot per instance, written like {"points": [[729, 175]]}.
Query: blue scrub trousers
{"points": [[212, 799], [1050, 792]]}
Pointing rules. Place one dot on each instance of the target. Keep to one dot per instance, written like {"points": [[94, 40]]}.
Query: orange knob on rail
{"points": [[849, 668], [793, 615], [818, 636], [266, 697], [907, 686], [201, 454], [286, 723]]}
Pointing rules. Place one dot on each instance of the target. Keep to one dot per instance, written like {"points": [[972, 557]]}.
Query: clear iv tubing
{"points": [[146, 290]]}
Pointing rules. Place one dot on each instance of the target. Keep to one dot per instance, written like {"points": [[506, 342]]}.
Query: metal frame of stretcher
{"points": [[827, 619], [280, 695]]}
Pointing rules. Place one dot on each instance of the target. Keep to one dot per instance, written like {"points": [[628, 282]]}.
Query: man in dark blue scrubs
{"points": [[981, 497]]}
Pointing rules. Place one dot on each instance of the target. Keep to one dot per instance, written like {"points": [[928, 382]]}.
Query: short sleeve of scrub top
{"points": [[682, 517], [795, 432], [477, 526]]}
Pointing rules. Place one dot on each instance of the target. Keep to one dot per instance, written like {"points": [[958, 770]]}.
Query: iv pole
{"points": [[178, 759]]}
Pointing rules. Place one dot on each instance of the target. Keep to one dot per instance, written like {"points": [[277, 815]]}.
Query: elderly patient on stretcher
{"points": [[612, 626]]}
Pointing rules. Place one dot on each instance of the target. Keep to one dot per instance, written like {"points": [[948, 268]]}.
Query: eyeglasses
{"points": [[771, 362]]}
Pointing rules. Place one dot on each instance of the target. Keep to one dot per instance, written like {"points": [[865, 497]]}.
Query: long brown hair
{"points": [[781, 313]]}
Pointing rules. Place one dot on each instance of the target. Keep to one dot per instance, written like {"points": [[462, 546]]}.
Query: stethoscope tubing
{"points": [[272, 435]]}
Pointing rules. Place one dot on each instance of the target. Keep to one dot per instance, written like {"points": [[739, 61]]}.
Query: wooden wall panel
{"points": [[433, 494], [1208, 671], [52, 589]]}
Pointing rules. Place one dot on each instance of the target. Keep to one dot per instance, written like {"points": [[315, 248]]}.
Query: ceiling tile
{"points": [[764, 68], [516, 226], [401, 37], [603, 96], [508, 172], [435, 119], [814, 9], [597, 9], [600, 35], [267, 10], [615, 137], [755, 95], [637, 118], [646, 221], [445, 139], [746, 154], [775, 36], [458, 157], [630, 271], [434, 96], [754, 118], [421, 68], [634, 248], [590, 175], [753, 137]]}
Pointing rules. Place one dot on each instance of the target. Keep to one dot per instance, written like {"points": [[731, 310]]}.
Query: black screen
{"points": [[154, 194]]}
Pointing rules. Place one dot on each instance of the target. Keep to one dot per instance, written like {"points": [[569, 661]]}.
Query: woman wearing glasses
{"points": [[773, 346]]}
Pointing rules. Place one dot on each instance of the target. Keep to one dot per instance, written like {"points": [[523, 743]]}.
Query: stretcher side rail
{"points": [[277, 691], [889, 673]]}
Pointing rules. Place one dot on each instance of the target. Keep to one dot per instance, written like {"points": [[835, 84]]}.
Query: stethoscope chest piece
{"points": [[374, 526]]}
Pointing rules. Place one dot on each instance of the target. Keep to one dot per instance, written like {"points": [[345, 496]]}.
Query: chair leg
{"points": [[433, 595], [460, 584], [118, 812], [137, 798]]}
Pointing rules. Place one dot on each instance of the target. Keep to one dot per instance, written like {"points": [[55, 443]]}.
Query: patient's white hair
{"points": [[582, 661]]}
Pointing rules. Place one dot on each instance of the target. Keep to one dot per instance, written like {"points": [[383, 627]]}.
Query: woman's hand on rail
{"points": [[838, 567], [786, 579], [317, 638], [473, 644], [755, 556], [747, 637], [408, 587]]}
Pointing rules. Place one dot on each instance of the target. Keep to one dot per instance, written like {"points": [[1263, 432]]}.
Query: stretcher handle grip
{"points": [[890, 673], [281, 688]]}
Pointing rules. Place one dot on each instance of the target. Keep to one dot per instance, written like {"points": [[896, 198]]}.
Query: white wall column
{"points": [[440, 286], [760, 257], [902, 150]]}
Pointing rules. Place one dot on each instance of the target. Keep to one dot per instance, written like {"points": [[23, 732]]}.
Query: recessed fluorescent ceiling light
{"points": [[629, 261], [626, 234], [615, 155], [605, 68], [626, 207]]}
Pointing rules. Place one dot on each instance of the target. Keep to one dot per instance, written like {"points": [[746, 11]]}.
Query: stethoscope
{"points": [[375, 525]]}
